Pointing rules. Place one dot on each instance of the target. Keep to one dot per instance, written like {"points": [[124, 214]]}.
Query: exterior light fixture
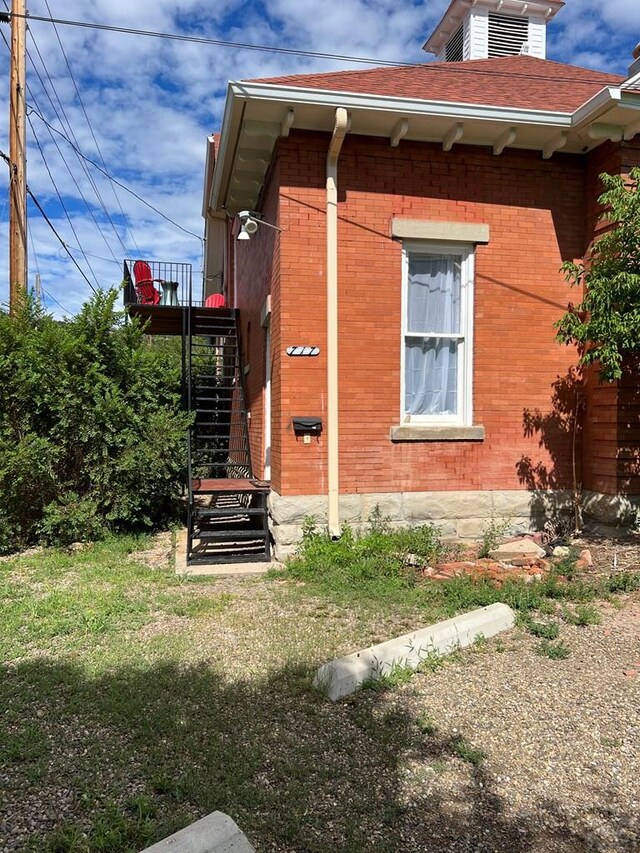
{"points": [[248, 224], [249, 221]]}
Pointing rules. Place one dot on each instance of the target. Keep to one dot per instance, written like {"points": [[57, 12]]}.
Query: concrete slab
{"points": [[343, 676], [519, 548], [227, 570], [215, 570], [215, 833]]}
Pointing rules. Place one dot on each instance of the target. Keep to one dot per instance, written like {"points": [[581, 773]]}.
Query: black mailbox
{"points": [[307, 426]]}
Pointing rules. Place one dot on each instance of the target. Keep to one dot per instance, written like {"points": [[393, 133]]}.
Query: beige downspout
{"points": [[333, 475]]}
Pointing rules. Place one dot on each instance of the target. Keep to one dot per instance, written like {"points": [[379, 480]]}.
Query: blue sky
{"points": [[150, 105]]}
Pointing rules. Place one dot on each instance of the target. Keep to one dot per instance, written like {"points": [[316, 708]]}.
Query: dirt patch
{"points": [[161, 553]]}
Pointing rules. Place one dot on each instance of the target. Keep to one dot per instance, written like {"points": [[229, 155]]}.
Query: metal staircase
{"points": [[227, 516]]}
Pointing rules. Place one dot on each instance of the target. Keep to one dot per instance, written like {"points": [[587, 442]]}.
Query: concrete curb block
{"points": [[342, 676], [215, 833]]}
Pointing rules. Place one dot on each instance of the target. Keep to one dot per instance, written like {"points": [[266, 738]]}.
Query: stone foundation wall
{"points": [[460, 515]]}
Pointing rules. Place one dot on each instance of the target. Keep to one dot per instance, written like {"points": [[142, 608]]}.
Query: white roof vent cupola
{"points": [[482, 29]]}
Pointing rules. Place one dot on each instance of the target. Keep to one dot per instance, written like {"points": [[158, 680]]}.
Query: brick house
{"points": [[399, 278]]}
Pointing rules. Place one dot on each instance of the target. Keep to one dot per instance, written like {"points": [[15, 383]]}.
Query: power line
{"points": [[55, 110], [70, 130], [62, 243], [115, 180], [51, 296], [311, 54], [93, 136], [60, 199], [50, 224]]}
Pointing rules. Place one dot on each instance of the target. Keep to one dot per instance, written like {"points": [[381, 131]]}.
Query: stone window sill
{"points": [[422, 432]]}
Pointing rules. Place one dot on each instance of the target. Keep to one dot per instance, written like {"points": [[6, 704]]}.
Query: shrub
{"points": [[91, 433]]}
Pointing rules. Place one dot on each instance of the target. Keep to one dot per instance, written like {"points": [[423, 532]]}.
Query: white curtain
{"points": [[431, 362]]}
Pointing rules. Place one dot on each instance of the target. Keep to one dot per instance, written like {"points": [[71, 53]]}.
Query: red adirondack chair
{"points": [[147, 294], [215, 300]]}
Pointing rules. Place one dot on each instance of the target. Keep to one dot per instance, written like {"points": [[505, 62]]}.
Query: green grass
{"points": [[371, 568], [59, 599], [156, 701]]}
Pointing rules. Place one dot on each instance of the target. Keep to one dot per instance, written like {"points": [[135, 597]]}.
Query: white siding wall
{"points": [[477, 34], [538, 37]]}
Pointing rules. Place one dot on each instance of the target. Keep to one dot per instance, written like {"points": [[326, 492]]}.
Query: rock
{"points": [[561, 551], [585, 555], [520, 548]]}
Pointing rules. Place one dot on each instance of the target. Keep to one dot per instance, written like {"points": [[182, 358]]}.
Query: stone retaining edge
{"points": [[215, 833], [344, 675]]}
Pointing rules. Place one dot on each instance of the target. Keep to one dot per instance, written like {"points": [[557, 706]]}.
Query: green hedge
{"points": [[92, 437]]}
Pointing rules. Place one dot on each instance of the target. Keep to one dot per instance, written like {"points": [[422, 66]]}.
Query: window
{"points": [[437, 334]]}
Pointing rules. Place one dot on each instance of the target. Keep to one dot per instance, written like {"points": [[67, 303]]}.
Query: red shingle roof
{"points": [[522, 82]]}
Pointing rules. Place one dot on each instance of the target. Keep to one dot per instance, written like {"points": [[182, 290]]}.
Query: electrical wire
{"points": [[70, 130], [50, 224], [61, 200], [62, 243], [115, 180], [62, 157], [311, 54], [93, 136], [52, 297]]}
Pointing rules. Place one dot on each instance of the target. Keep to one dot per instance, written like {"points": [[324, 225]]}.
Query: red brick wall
{"points": [[611, 459], [536, 213], [257, 271]]}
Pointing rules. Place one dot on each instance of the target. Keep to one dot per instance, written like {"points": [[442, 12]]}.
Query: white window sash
{"points": [[464, 338]]}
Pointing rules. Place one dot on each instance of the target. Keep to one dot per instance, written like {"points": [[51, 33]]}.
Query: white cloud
{"points": [[152, 102]]}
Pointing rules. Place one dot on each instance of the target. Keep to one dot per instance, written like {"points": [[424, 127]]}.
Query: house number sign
{"points": [[303, 351]]}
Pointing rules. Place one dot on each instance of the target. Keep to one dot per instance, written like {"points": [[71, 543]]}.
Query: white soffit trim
{"points": [[420, 229], [390, 104]]}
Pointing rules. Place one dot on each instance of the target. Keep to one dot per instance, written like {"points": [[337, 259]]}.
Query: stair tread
{"points": [[228, 484], [229, 535], [229, 512], [213, 559]]}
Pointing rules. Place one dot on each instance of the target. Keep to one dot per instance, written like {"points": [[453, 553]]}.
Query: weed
{"points": [[623, 582], [582, 615], [28, 744], [548, 608], [566, 566], [492, 534], [398, 674], [426, 725], [544, 630], [66, 839], [431, 662], [480, 643], [555, 651], [378, 523], [463, 749]]}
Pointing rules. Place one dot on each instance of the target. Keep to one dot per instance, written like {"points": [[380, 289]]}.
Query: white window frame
{"points": [[464, 417]]}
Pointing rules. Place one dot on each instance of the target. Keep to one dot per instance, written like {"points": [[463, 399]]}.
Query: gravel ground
{"points": [[499, 750], [561, 738]]}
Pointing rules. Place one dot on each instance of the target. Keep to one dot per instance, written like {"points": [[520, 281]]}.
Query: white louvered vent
{"points": [[507, 35], [455, 47]]}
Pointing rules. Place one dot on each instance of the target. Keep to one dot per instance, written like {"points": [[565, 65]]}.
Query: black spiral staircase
{"points": [[227, 514]]}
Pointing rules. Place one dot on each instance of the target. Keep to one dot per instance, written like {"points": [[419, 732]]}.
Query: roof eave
{"points": [[294, 95]]}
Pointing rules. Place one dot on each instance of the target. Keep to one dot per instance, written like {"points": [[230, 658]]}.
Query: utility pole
{"points": [[18, 158]]}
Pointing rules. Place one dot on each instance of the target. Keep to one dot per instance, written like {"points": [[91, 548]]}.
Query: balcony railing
{"points": [[159, 283]]}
